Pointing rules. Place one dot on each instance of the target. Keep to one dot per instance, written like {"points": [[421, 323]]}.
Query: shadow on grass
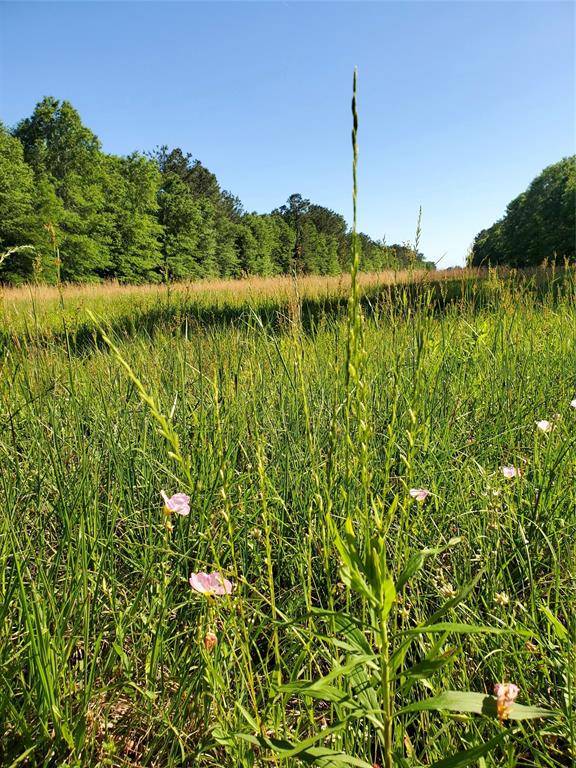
{"points": [[434, 296]]}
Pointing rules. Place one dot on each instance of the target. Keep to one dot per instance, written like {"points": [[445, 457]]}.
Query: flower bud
{"points": [[210, 641]]}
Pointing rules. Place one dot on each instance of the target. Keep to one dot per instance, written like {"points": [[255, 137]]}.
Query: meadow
{"points": [[383, 481], [41, 311]]}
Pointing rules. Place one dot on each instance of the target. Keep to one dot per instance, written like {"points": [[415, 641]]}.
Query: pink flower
{"points": [[210, 641], [506, 694], [210, 583], [544, 426], [179, 503], [420, 494], [510, 471]]}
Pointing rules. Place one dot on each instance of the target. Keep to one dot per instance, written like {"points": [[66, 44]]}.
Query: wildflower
{"points": [[210, 583], [256, 533], [179, 503], [510, 471], [544, 426], [501, 598], [405, 612], [506, 694], [532, 647], [420, 494], [573, 403], [210, 641], [447, 590]]}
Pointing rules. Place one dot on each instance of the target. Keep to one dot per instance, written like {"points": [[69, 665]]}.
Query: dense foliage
{"points": [[539, 225], [145, 218]]}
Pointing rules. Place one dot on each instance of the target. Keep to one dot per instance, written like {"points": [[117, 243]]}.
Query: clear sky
{"points": [[461, 103]]}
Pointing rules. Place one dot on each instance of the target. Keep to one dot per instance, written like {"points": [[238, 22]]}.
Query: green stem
{"points": [[386, 690]]}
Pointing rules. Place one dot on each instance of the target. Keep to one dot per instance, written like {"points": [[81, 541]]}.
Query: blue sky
{"points": [[461, 103]]}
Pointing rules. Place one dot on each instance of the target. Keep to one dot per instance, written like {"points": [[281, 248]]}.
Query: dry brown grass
{"points": [[312, 285], [35, 309]]}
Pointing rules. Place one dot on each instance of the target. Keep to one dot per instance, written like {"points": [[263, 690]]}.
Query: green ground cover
{"points": [[105, 654]]}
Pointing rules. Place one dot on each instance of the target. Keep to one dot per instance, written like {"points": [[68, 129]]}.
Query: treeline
{"points": [[539, 225], [70, 212]]}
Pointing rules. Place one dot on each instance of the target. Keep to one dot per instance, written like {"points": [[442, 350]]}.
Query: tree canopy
{"points": [[539, 224], [161, 215]]}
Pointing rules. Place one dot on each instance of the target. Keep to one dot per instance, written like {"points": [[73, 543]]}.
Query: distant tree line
{"points": [[539, 225], [158, 216]]}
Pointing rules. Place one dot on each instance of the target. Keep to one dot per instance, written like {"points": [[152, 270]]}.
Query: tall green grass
{"points": [[101, 653]]}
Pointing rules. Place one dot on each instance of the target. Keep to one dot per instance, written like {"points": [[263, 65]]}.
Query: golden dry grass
{"points": [[16, 299]]}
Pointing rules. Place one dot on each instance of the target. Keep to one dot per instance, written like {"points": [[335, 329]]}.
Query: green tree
{"points": [[227, 256], [284, 245], [294, 214], [132, 185], [189, 235], [203, 224], [66, 154], [539, 224], [332, 225], [266, 238], [198, 179], [92, 216], [17, 220]]}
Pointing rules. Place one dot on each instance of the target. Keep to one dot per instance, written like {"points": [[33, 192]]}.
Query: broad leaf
{"points": [[470, 701]]}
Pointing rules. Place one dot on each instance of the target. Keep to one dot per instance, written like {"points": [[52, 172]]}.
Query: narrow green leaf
{"points": [[415, 562], [350, 628], [319, 756], [459, 629], [559, 629], [305, 750], [428, 666], [328, 758], [322, 688], [468, 756], [388, 596], [315, 690]]}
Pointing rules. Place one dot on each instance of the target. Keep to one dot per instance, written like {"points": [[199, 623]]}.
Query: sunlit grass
{"points": [[40, 305], [102, 652]]}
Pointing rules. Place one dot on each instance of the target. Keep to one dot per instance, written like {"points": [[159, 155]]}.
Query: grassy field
{"points": [[282, 417], [41, 310]]}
